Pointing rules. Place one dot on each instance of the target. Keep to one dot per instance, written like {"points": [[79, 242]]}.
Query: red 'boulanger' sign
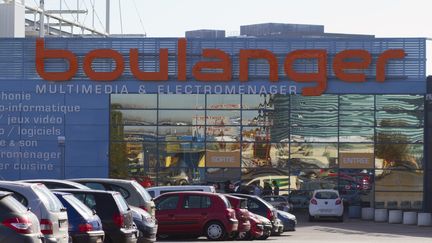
{"points": [[343, 62]]}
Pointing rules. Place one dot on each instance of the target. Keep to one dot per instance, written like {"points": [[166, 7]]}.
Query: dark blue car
{"points": [[84, 225], [288, 220]]}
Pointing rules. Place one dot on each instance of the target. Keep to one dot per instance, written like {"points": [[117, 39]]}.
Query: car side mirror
{"points": [[63, 209], [94, 212], [28, 208]]}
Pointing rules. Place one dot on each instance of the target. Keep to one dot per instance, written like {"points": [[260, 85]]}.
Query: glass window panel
{"points": [[314, 179], [218, 176], [181, 101], [181, 117], [314, 134], [265, 134], [265, 101], [400, 200], [356, 134], [223, 133], [189, 155], [223, 117], [323, 102], [265, 154], [181, 133], [223, 146], [399, 135], [313, 155], [299, 199], [399, 119], [400, 102], [134, 117], [355, 148], [138, 133], [220, 101], [265, 118], [399, 156], [399, 180], [357, 102], [356, 118], [169, 176], [314, 118], [263, 177], [133, 101]]}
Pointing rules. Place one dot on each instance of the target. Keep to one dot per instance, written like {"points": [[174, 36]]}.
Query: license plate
{"points": [[325, 210]]}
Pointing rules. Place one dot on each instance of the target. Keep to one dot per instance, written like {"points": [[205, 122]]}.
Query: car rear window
{"points": [[9, 203], [142, 191], [81, 208], [121, 203], [326, 195], [48, 199], [226, 201]]}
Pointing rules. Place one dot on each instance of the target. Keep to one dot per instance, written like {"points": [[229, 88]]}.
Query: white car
{"points": [[325, 204]]}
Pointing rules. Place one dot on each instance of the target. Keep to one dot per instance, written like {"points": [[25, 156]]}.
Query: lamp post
{"points": [[61, 140]]}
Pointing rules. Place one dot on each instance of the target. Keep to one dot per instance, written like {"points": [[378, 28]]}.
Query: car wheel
{"points": [[242, 235], [215, 231], [264, 236]]}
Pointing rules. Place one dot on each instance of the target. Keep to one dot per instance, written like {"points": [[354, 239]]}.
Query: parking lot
{"points": [[350, 231]]}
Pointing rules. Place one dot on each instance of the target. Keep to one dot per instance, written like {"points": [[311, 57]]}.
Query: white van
{"points": [[159, 190]]}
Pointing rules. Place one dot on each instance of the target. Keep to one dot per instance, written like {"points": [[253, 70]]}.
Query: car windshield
{"points": [[226, 201], [13, 204], [326, 195], [78, 205], [121, 203], [142, 191], [48, 199]]}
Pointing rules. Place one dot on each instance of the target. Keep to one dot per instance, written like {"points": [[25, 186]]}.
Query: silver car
{"points": [[131, 190], [45, 205]]}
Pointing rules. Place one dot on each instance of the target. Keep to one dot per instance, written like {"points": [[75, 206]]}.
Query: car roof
{"points": [[234, 197], [61, 193], [178, 187], [100, 180], [85, 191], [18, 183], [325, 190], [190, 192], [71, 183], [4, 194]]}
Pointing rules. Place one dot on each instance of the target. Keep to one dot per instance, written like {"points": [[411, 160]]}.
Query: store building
{"points": [[208, 110]]}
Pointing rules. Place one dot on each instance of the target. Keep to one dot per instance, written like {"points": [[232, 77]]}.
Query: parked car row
{"points": [[116, 211]]}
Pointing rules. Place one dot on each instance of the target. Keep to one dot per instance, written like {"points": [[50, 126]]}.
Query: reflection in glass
{"points": [[181, 133], [399, 156], [221, 101], [399, 119], [190, 101], [400, 102], [218, 177], [265, 102], [265, 118], [265, 154], [223, 133], [265, 134], [357, 102], [136, 117], [223, 117], [323, 102], [313, 155], [356, 118], [263, 176], [314, 134], [134, 101], [314, 118], [356, 134], [356, 148], [181, 117], [399, 135], [180, 176], [399, 180], [140, 133]]}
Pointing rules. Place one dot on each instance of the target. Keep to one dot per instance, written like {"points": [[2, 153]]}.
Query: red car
{"points": [[242, 214], [195, 214]]}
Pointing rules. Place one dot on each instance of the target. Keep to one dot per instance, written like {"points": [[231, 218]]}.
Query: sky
{"points": [[171, 18]]}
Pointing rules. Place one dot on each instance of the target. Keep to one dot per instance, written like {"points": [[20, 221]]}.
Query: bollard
{"points": [[410, 218], [381, 215], [395, 217], [424, 219]]}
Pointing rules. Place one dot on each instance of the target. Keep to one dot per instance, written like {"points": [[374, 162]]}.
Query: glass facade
{"points": [[369, 147]]}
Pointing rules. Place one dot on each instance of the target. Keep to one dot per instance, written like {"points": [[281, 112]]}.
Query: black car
{"points": [[146, 225], [258, 206], [114, 212], [18, 224], [84, 225]]}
